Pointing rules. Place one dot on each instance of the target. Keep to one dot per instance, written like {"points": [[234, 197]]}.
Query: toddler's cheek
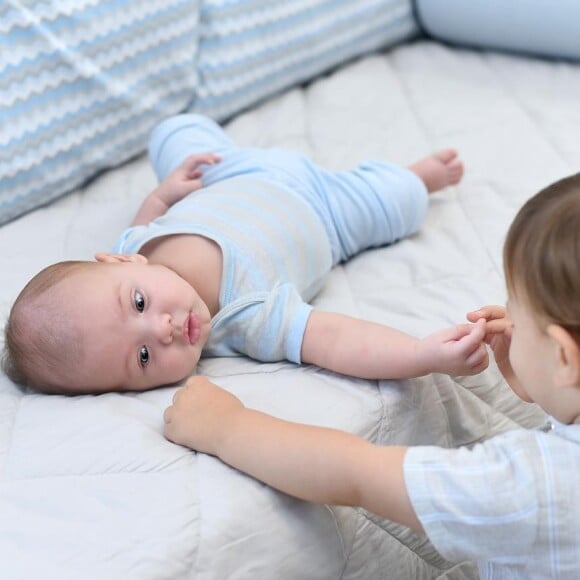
{"points": [[521, 393]]}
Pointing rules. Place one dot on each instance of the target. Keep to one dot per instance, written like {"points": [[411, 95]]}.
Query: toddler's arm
{"points": [[181, 181], [374, 351], [312, 463]]}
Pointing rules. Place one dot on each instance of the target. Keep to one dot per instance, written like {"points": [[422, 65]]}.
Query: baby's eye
{"points": [[143, 356], [139, 300]]}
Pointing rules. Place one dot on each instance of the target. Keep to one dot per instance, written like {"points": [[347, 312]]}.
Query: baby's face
{"points": [[143, 326]]}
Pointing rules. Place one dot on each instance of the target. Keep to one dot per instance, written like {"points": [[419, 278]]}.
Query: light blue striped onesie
{"points": [[281, 222]]}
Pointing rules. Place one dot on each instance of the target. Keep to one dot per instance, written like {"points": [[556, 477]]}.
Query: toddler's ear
{"points": [[567, 353], [120, 258]]}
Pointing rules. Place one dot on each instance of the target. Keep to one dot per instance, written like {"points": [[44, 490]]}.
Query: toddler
{"points": [[511, 503], [228, 269]]}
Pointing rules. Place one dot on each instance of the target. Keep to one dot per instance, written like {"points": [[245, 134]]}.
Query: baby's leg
{"points": [[379, 203], [181, 136], [439, 170], [373, 205]]}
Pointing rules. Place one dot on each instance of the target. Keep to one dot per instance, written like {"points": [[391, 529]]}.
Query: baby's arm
{"points": [[311, 463], [181, 181], [374, 351]]}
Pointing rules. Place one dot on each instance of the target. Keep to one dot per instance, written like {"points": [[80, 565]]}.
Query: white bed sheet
{"points": [[89, 488]]}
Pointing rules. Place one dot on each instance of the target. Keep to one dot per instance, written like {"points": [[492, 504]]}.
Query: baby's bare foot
{"points": [[439, 170]]}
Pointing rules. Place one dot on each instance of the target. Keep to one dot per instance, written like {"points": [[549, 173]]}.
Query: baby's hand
{"points": [[201, 415], [459, 350], [186, 178]]}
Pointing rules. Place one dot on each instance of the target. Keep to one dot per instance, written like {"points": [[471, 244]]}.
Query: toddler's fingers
{"points": [[474, 315], [498, 326], [490, 312], [178, 394], [168, 415], [195, 380]]}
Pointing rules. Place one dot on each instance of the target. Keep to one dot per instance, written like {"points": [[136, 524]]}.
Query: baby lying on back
{"points": [[229, 269]]}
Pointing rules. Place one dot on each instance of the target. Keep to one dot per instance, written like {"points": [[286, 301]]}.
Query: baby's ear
{"points": [[120, 258], [567, 356]]}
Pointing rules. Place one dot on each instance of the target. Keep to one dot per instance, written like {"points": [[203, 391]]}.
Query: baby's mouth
{"points": [[191, 328]]}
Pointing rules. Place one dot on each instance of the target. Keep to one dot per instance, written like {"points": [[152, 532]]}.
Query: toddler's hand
{"points": [[498, 334], [496, 319], [186, 178], [498, 329], [201, 415], [459, 350]]}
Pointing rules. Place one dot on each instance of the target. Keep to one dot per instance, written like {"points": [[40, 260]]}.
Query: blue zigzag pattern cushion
{"points": [[82, 83], [250, 49]]}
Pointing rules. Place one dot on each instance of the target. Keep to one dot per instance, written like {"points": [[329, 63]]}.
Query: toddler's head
{"points": [[119, 323], [542, 268], [542, 254]]}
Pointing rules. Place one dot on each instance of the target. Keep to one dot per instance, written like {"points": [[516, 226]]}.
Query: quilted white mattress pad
{"points": [[89, 487]]}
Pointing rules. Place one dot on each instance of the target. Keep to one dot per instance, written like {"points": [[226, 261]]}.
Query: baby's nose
{"points": [[165, 329]]}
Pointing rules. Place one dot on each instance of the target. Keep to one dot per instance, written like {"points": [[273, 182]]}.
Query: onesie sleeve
{"points": [[266, 326], [479, 503]]}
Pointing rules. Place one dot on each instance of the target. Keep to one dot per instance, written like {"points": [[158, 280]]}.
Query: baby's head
{"points": [[42, 345], [119, 323], [542, 268]]}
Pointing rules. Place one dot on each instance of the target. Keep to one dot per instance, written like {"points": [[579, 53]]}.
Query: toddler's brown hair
{"points": [[542, 254]]}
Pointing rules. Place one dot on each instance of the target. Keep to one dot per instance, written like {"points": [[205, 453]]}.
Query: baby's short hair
{"points": [[41, 344], [542, 253]]}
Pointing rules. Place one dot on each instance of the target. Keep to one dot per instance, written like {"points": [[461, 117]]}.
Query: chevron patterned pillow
{"points": [[250, 49], [82, 83]]}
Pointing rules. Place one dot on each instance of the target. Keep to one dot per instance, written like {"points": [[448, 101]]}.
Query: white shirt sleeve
{"points": [[482, 503]]}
